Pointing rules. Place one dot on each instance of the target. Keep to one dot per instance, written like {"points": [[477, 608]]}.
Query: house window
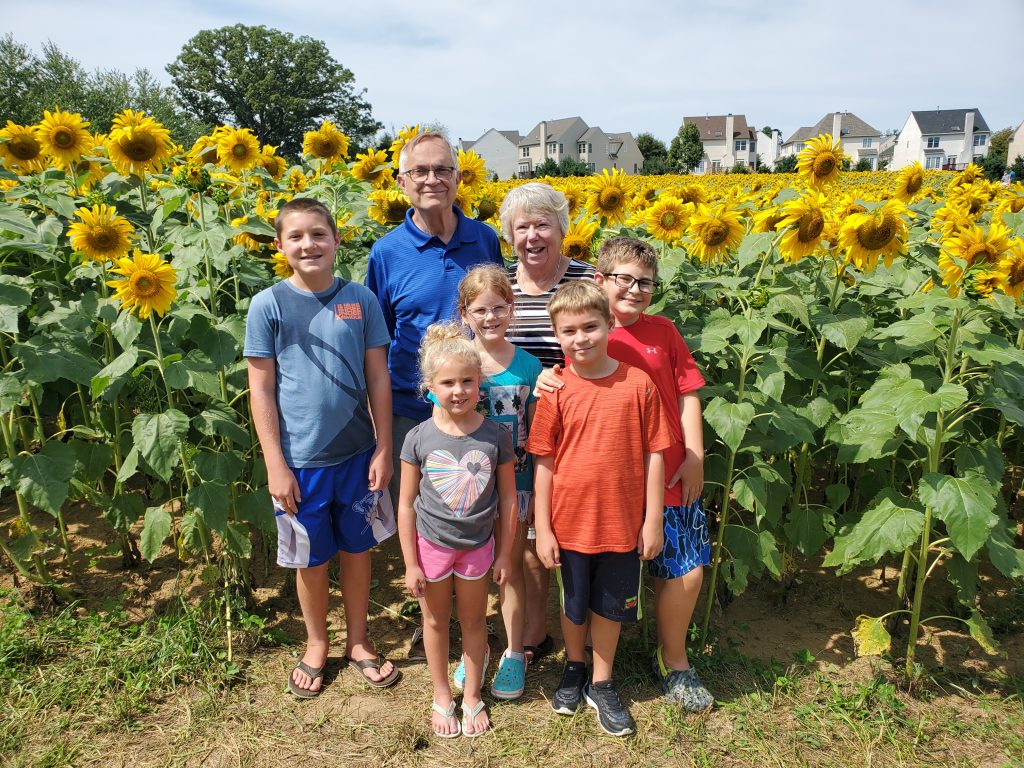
{"points": [[561, 148], [933, 162], [524, 169], [866, 143], [582, 147], [591, 167], [933, 142], [525, 152], [741, 145], [701, 166], [552, 147], [979, 139], [635, 170], [716, 165]]}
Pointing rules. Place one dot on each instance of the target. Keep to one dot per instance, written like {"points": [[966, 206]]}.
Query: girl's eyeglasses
{"points": [[500, 312]]}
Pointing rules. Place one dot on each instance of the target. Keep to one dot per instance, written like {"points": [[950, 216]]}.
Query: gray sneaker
{"points": [[682, 686]]}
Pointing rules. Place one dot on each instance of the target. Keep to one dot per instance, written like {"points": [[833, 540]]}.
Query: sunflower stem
{"points": [[145, 209]]}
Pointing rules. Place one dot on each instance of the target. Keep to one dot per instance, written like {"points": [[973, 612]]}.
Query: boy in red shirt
{"points": [[627, 270], [596, 515]]}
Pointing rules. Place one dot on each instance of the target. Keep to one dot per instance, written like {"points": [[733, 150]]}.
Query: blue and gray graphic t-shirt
{"points": [[318, 341]]}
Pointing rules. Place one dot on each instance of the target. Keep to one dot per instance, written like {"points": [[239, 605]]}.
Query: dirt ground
{"points": [[256, 723]]}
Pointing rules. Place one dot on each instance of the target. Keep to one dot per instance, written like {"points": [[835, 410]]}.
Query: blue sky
{"points": [[624, 66]]}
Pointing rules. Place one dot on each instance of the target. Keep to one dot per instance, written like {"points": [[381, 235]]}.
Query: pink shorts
{"points": [[438, 563]]}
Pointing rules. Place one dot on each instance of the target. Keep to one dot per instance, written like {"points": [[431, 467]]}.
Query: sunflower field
{"points": [[861, 335]]}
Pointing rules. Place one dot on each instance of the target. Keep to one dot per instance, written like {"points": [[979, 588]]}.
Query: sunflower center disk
{"points": [[811, 225], [102, 239], [715, 233], [63, 139], [985, 251], [668, 220], [824, 164], [239, 150], [610, 199], [144, 284], [875, 235], [24, 149], [141, 149]]}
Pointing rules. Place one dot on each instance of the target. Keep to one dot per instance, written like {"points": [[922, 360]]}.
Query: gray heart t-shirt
{"points": [[458, 493]]}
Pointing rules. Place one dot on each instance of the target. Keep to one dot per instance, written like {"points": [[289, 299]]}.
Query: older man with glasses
{"points": [[416, 268]]}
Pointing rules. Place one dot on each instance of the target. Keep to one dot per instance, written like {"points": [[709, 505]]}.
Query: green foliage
{"points": [[651, 148], [862, 165], [567, 166], [29, 84], [279, 85], [786, 164], [686, 150]]}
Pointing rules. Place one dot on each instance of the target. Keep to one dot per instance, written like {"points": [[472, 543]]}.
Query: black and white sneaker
{"points": [[570, 691], [613, 717]]}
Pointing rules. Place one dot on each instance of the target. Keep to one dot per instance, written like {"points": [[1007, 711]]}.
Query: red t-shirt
{"points": [[653, 345], [598, 431]]}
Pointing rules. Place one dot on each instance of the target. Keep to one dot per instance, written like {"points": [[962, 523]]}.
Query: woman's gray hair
{"points": [[419, 138], [533, 199]]}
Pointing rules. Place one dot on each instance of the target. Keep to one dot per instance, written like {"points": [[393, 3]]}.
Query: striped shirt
{"points": [[530, 328]]}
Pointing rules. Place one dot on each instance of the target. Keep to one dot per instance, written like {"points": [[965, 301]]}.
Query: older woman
{"points": [[534, 219]]}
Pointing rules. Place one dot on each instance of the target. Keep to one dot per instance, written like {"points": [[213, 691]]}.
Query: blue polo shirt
{"points": [[416, 280]]}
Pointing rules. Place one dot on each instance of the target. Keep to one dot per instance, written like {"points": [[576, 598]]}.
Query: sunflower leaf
{"points": [[158, 437], [154, 531], [870, 636]]}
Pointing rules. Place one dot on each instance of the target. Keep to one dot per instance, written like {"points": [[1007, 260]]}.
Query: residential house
{"points": [[948, 139], [499, 149], [1016, 148], [858, 139], [727, 140], [600, 151], [556, 140], [553, 139], [885, 150]]}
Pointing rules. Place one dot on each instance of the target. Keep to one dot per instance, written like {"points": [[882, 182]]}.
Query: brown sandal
{"points": [[376, 664]]}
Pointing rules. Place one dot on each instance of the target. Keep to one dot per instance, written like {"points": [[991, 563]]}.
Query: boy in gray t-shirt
{"points": [[321, 403]]}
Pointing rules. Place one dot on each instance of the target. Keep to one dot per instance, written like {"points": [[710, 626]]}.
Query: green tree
{"points": [[786, 164], [767, 131], [656, 166], [995, 161], [548, 168], [651, 148], [18, 73], [571, 166], [686, 149], [862, 165], [278, 85]]}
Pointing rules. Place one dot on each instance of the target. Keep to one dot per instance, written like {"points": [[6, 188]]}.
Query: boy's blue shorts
{"points": [[687, 543], [338, 513]]}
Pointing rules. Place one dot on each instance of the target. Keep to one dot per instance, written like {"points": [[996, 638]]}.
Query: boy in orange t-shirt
{"points": [[596, 514]]}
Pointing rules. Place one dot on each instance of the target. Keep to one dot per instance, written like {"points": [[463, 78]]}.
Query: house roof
{"points": [[514, 136], [555, 131], [591, 133], [801, 134], [947, 120], [850, 126], [713, 126]]}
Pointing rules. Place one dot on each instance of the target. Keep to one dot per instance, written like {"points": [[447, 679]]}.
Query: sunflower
{"points": [[607, 194], [373, 167], [715, 231], [578, 241], [204, 149], [100, 233], [238, 149], [691, 193], [967, 176], [972, 198], [272, 163], [388, 206], [987, 280], [22, 151], [486, 206], [281, 266], [950, 220], [805, 223], [138, 143], [148, 285], [471, 166], [666, 220], [1011, 200], [243, 238], [976, 246], [574, 195], [909, 183], [768, 219], [326, 143], [881, 233], [1012, 268], [819, 162], [296, 181], [63, 136], [403, 138]]}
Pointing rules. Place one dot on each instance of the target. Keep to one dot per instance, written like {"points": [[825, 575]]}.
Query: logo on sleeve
{"points": [[348, 311]]}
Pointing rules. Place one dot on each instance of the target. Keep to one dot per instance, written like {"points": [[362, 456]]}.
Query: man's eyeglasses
{"points": [[441, 173], [628, 281], [499, 311]]}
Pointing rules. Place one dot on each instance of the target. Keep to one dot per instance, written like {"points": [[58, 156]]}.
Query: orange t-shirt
{"points": [[598, 431]]}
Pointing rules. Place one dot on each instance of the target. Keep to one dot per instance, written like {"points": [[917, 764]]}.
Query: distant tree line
{"points": [[278, 85]]}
